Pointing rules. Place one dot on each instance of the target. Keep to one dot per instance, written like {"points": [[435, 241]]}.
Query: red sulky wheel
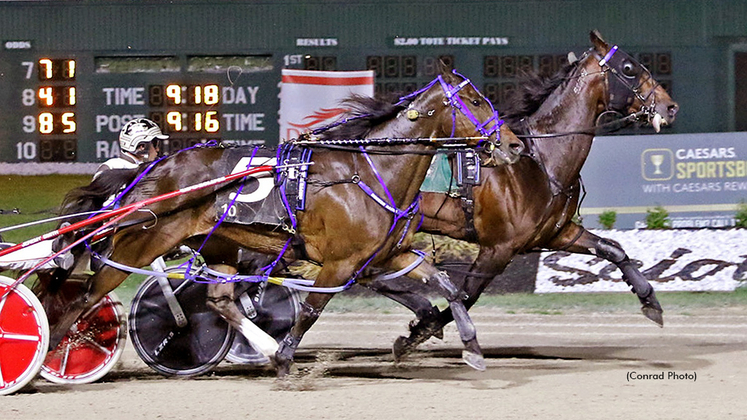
{"points": [[92, 347], [24, 336]]}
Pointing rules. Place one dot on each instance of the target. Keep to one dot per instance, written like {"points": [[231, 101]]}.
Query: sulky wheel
{"points": [[168, 348], [24, 336], [274, 309], [92, 347]]}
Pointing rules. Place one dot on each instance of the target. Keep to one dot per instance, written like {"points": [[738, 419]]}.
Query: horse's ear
{"points": [[447, 74], [443, 67], [600, 44]]}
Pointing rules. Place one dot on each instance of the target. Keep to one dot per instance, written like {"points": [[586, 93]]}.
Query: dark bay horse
{"points": [[529, 205], [343, 227]]}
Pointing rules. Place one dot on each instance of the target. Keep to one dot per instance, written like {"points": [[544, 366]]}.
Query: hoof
{"points": [[474, 360], [652, 308], [282, 367], [282, 372], [439, 333], [653, 314], [401, 348]]}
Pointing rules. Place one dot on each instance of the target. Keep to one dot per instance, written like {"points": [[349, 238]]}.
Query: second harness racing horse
{"points": [[530, 204]]}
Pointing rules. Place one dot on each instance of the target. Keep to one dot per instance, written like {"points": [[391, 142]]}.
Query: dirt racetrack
{"points": [[571, 366]]}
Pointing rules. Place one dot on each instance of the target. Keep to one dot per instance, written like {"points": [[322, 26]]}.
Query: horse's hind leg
{"points": [[472, 355], [489, 263], [588, 243], [423, 309], [221, 299]]}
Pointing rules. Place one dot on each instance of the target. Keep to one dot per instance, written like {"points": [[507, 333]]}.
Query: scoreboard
{"points": [[70, 106]]}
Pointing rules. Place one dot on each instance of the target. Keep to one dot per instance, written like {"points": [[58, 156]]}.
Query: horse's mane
{"points": [[92, 196], [365, 114], [533, 89]]}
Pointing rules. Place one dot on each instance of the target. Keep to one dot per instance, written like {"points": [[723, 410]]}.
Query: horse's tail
{"points": [[93, 196], [78, 200]]}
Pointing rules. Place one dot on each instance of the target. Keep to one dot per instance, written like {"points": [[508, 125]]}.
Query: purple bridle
{"points": [[486, 128]]}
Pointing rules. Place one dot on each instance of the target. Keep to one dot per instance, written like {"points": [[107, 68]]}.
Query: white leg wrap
{"points": [[260, 340]]}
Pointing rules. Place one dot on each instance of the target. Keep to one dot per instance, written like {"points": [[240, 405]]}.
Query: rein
{"points": [[592, 131], [486, 128], [348, 145]]}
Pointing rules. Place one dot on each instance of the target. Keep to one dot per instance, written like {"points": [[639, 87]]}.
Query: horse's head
{"points": [[630, 86], [458, 109]]}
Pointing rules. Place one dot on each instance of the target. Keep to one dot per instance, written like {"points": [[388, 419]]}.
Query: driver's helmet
{"points": [[138, 131]]}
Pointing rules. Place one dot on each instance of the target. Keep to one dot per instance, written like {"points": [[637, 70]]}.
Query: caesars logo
{"points": [[657, 164], [693, 163]]}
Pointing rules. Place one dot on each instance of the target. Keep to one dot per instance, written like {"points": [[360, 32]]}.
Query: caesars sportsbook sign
{"points": [[698, 178], [312, 99]]}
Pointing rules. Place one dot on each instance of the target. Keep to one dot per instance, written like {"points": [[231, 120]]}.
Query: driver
{"points": [[139, 142]]}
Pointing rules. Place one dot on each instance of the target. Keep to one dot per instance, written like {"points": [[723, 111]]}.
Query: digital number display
{"points": [[326, 63], [192, 122], [58, 150], [56, 96], [185, 108], [506, 66], [57, 123], [499, 93], [392, 66], [506, 71], [54, 70], [189, 95], [512, 67], [659, 64], [389, 67], [407, 66]]}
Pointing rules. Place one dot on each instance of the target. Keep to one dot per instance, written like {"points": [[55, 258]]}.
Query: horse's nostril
{"points": [[672, 109]]}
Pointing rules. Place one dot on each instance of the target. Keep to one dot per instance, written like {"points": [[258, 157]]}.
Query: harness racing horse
{"points": [[362, 196], [529, 205]]}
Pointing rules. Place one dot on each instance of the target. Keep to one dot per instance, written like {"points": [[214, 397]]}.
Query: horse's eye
{"points": [[629, 69], [476, 102]]}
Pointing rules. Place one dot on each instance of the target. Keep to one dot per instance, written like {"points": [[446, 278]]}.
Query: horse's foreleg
{"points": [[311, 308], [472, 355], [588, 243], [221, 299]]}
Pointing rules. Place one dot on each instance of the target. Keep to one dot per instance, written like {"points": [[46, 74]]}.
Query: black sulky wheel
{"points": [[272, 308], [162, 344]]}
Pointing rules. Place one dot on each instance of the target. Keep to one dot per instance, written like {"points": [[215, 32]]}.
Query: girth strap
{"points": [[468, 175]]}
